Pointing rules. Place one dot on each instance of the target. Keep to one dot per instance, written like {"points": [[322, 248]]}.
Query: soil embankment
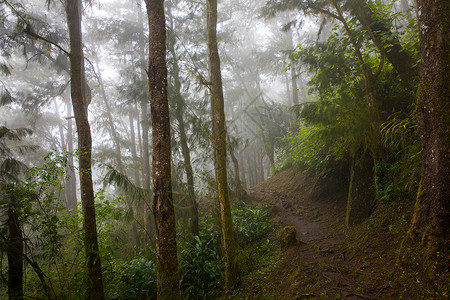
{"points": [[328, 260]]}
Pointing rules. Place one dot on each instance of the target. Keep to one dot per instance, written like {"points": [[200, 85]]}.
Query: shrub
{"points": [[200, 267], [135, 279], [251, 224]]}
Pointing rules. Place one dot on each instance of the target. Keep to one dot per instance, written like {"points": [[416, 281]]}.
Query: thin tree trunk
{"points": [[146, 171], [112, 128], [137, 179], [72, 202], [163, 209], [290, 41], [95, 281], [349, 196], [241, 161], [288, 91], [14, 251], [251, 175], [260, 160], [134, 156], [63, 150], [228, 243], [240, 192], [369, 79], [179, 111]]}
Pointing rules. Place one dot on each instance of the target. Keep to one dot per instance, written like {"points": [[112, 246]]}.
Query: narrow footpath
{"points": [[316, 266]]}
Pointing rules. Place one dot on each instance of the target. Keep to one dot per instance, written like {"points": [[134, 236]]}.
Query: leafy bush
{"points": [[135, 279], [201, 267], [251, 224]]}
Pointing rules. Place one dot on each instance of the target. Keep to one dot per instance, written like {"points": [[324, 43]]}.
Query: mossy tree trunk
{"points": [[163, 209], [95, 287], [228, 243], [430, 223]]}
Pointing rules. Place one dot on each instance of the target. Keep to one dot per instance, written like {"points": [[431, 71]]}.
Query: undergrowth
{"points": [[200, 259]]}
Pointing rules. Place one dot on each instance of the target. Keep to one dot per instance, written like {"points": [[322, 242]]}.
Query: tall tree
{"points": [[163, 209], [431, 220], [71, 189], [73, 12], [220, 135], [180, 105]]}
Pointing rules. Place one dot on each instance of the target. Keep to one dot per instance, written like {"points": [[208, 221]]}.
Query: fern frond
{"points": [[121, 181]]}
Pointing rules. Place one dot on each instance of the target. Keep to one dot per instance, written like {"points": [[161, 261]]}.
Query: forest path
{"points": [[316, 266]]}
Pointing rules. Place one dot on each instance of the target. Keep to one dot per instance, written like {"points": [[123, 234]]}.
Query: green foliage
{"points": [[134, 279], [251, 224], [336, 126], [400, 170], [201, 267], [110, 227], [307, 151]]}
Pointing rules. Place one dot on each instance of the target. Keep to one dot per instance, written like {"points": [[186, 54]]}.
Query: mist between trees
{"points": [[121, 142]]}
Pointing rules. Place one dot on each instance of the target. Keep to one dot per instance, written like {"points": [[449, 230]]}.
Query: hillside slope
{"points": [[328, 260]]}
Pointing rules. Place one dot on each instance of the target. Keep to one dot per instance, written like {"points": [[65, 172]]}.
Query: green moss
{"points": [[288, 236]]}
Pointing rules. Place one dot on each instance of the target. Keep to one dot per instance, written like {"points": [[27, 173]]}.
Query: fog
{"points": [[255, 62]]}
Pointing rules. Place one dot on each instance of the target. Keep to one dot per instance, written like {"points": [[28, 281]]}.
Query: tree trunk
{"points": [[134, 156], [240, 192], [14, 250], [163, 210], [228, 243], [146, 172], [95, 286], [186, 152], [288, 90], [290, 41], [112, 128], [431, 215], [72, 202], [372, 105]]}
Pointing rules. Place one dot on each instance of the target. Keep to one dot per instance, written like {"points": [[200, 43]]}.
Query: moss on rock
{"points": [[288, 236]]}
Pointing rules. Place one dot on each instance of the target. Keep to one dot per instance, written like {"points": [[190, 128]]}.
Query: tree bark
{"points": [[228, 243], [72, 202], [240, 192], [14, 249], [163, 209], [431, 216], [95, 281], [146, 172], [290, 41]]}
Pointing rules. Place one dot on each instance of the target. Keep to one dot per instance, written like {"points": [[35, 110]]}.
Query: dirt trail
{"points": [[316, 266]]}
